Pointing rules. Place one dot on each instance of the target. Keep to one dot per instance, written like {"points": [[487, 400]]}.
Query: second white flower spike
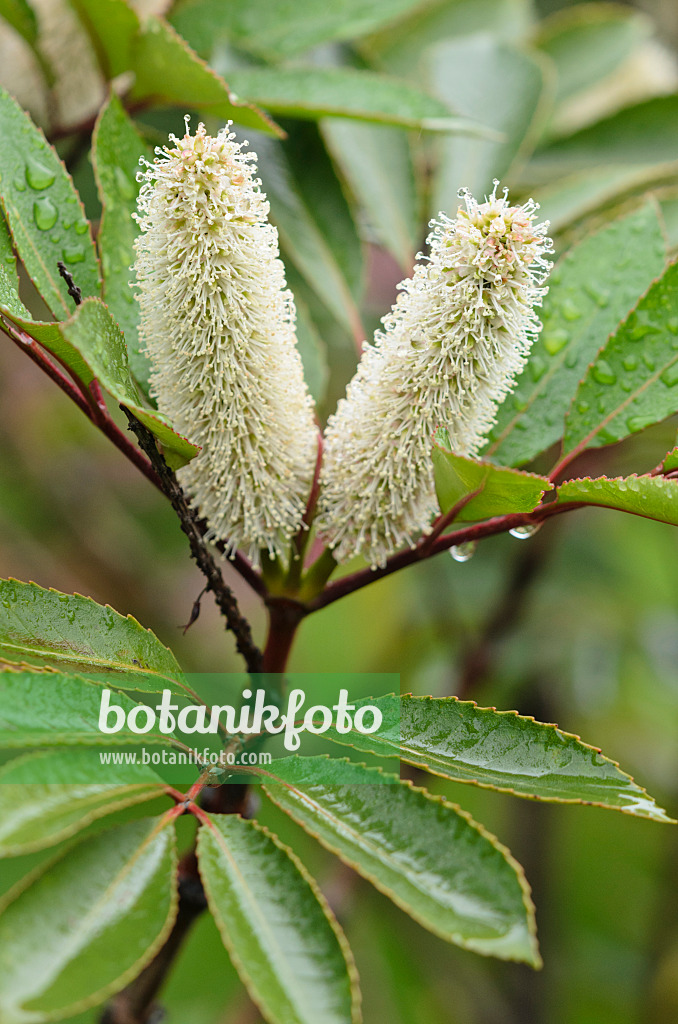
{"points": [[453, 344]]}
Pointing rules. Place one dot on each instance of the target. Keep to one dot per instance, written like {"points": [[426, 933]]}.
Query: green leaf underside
{"points": [[49, 709], [589, 42], [88, 924], [9, 279], [21, 16], [44, 212], [168, 71], [502, 491], [345, 92], [48, 796], [495, 85], [652, 497], [112, 26], [640, 134], [632, 383], [377, 163], [590, 290], [281, 29], [275, 924], [116, 148], [92, 346], [74, 633], [425, 854], [302, 237], [499, 750]]}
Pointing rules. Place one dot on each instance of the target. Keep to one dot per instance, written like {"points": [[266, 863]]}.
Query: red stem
{"points": [[284, 618]]}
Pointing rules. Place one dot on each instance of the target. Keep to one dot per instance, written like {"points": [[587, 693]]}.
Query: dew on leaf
{"points": [[73, 254], [537, 368], [583, 407], [603, 373], [19, 184], [670, 375], [569, 311], [672, 324], [38, 176], [635, 423], [125, 186], [44, 213], [80, 227], [555, 341], [630, 363]]}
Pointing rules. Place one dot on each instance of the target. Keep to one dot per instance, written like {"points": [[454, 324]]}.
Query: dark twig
{"points": [[73, 289], [228, 606]]}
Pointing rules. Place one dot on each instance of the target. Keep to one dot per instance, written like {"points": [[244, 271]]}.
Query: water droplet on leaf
{"points": [[603, 373], [670, 375], [38, 176], [555, 341], [537, 368], [44, 213], [73, 254]]}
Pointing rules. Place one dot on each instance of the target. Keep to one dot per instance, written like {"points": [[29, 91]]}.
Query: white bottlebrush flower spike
{"points": [[453, 344], [218, 324]]}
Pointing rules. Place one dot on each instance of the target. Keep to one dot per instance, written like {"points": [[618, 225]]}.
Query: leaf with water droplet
{"points": [[654, 497], [503, 491], [595, 280], [116, 148], [36, 191], [643, 390], [44, 627], [38, 176], [92, 345]]}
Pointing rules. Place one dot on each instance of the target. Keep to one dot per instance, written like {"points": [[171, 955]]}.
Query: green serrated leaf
{"points": [[92, 346], [502, 491], [670, 460], [590, 290], [346, 92], [587, 43], [116, 149], [49, 796], [75, 634], [653, 497], [21, 16], [376, 162], [499, 750], [496, 85], [276, 925], [43, 210], [9, 278], [427, 855], [88, 923], [48, 709], [168, 71], [319, 257], [282, 29], [112, 26], [632, 383]]}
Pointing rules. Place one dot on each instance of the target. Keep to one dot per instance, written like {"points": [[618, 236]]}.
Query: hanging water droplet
{"points": [[555, 341], [38, 176], [670, 375], [73, 254], [525, 531], [462, 552], [603, 372], [44, 213]]}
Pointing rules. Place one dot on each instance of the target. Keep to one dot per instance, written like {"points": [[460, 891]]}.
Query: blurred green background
{"points": [[576, 625]]}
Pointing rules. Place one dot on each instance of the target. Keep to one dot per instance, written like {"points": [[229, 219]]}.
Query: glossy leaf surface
{"points": [[280, 933], [500, 750], [427, 855], [48, 796], [75, 634], [502, 491], [88, 924]]}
